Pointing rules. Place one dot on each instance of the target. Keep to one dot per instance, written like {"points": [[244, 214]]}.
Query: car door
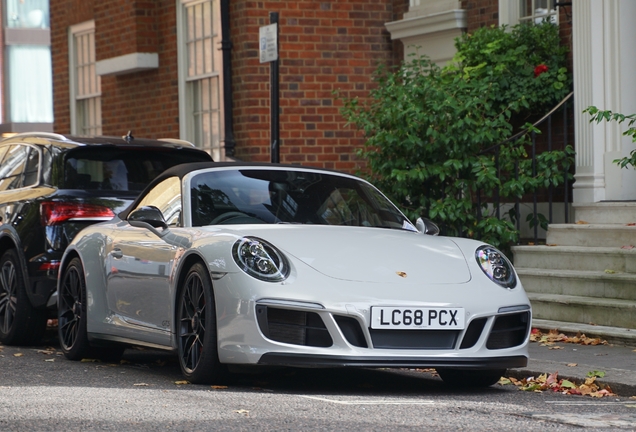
{"points": [[139, 267]]}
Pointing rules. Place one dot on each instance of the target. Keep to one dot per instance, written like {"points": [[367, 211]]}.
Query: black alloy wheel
{"points": [[196, 320], [72, 312], [20, 323]]}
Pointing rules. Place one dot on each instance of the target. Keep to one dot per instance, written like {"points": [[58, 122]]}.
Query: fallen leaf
{"points": [[581, 222], [182, 382], [47, 352], [555, 347], [567, 384], [141, 384], [596, 374], [89, 360], [18, 355], [504, 381], [572, 364], [632, 397], [627, 247], [610, 271], [242, 411], [631, 224], [551, 244], [49, 360], [219, 387]]}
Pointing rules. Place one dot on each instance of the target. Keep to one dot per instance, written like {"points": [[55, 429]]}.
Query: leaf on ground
{"points": [[631, 224], [572, 364], [610, 271], [632, 398], [47, 352], [554, 336], [551, 244], [555, 347], [551, 382], [140, 384], [504, 381], [18, 355], [242, 411], [182, 382], [89, 360], [627, 247], [581, 222], [219, 387], [596, 374], [49, 360]]}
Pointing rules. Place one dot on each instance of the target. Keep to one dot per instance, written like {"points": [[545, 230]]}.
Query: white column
{"points": [[602, 36]]}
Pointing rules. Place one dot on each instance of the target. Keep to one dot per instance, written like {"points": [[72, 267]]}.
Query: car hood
{"points": [[372, 255]]}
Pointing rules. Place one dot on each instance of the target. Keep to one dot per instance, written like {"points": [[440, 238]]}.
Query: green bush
{"points": [[428, 130]]}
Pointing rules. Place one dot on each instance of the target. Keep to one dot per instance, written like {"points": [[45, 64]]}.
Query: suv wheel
{"points": [[20, 323]]}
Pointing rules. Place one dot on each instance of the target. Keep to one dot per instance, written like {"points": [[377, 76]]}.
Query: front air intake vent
{"points": [[293, 326], [509, 331]]}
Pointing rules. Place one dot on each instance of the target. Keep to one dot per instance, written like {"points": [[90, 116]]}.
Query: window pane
{"points": [[27, 14], [30, 84]]}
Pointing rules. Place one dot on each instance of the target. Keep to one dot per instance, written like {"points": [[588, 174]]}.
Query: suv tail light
{"points": [[57, 212]]}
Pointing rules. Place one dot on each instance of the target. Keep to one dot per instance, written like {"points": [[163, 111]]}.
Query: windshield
{"points": [[286, 196]]}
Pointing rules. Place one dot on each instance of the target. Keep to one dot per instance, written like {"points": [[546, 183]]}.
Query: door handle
{"points": [[116, 253]]}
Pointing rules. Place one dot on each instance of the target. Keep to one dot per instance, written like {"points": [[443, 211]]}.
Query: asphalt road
{"points": [[41, 390]]}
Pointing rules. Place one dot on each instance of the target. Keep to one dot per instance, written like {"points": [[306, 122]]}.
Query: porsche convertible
{"points": [[263, 264]]}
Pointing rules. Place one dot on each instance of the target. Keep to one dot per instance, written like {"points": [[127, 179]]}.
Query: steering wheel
{"points": [[227, 216]]}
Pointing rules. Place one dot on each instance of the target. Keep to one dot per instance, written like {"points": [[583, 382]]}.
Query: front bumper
{"points": [[308, 360]]}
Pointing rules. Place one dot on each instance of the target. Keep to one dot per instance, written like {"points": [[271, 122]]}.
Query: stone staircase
{"points": [[584, 278]]}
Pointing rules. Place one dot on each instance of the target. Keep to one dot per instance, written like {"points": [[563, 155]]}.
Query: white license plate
{"points": [[414, 318]]}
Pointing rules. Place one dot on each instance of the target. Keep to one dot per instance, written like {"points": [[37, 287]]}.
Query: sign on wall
{"points": [[268, 43]]}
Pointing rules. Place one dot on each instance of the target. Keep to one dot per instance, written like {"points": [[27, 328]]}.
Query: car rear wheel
{"points": [[461, 378], [72, 312], [196, 321], [20, 323]]}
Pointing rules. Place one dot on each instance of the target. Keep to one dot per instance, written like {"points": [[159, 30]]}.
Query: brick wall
{"points": [[145, 102], [324, 46], [64, 14]]}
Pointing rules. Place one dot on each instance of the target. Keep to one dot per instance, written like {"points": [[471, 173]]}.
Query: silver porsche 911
{"points": [[254, 264]]}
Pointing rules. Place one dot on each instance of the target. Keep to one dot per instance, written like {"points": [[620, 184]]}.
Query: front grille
{"points": [[509, 331], [414, 339], [293, 327]]}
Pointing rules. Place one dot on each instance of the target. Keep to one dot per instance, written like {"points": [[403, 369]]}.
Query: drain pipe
{"points": [[226, 46]]}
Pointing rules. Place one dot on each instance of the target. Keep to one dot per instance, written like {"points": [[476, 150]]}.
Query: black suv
{"points": [[52, 186]]}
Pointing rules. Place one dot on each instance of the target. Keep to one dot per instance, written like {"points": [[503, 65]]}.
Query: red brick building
{"points": [[191, 68]]}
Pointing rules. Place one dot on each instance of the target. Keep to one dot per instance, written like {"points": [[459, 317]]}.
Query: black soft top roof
{"points": [[184, 169]]}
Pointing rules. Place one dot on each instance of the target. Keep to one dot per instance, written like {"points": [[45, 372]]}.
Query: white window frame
{"points": [[95, 128], [188, 127], [510, 14]]}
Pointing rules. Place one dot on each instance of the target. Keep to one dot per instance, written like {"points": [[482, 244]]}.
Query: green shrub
{"points": [[607, 115], [428, 130]]}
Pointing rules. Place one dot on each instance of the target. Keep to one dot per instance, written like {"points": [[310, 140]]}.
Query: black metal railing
{"points": [[557, 132]]}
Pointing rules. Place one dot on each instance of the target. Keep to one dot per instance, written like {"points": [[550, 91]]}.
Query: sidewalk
{"points": [[617, 361]]}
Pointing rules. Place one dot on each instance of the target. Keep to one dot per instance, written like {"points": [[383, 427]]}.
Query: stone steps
{"points": [[584, 278]]}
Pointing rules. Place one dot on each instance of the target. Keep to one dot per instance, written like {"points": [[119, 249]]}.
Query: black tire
{"points": [[461, 378], [71, 313], [20, 322], [196, 328]]}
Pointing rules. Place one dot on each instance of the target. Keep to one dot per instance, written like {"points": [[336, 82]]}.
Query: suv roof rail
{"points": [[177, 141], [51, 135]]}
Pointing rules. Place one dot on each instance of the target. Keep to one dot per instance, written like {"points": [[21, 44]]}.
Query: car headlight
{"points": [[496, 266], [260, 259]]}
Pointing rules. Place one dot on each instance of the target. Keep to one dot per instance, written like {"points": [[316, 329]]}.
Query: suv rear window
{"points": [[121, 168]]}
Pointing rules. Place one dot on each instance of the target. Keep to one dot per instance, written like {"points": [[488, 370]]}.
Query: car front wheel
{"points": [[196, 331], [72, 312], [461, 378], [20, 323]]}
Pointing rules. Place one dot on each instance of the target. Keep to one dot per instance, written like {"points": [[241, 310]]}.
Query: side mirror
{"points": [[426, 226], [147, 215]]}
